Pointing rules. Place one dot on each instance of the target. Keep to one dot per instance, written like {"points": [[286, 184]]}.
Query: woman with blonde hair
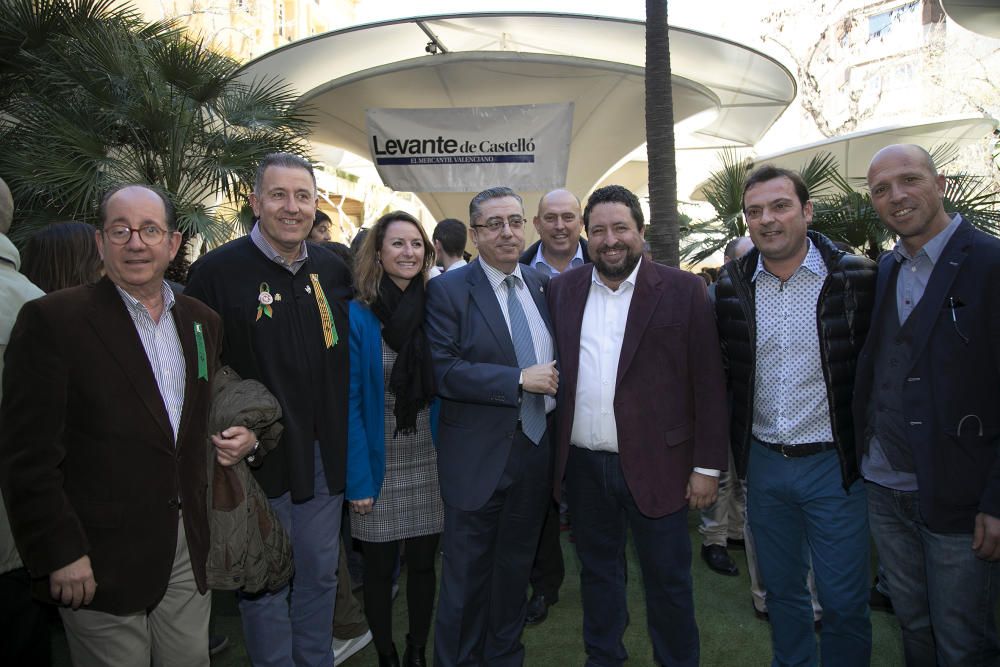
{"points": [[392, 479]]}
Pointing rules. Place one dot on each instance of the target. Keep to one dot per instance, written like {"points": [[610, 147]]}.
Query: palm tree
{"points": [[91, 95], [663, 233], [839, 210]]}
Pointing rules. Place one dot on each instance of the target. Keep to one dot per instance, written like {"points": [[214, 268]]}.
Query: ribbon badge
{"points": [[264, 300], [330, 336], [199, 339]]}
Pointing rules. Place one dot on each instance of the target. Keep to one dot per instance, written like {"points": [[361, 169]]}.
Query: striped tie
{"points": [[532, 405]]}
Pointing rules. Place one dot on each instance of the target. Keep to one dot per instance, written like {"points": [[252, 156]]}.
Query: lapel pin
{"points": [[308, 290], [264, 299], [277, 297]]}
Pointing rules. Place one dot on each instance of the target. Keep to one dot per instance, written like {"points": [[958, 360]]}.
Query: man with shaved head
{"points": [[927, 417], [558, 223]]}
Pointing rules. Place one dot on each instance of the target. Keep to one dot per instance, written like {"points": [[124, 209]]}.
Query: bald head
{"points": [[6, 207], [907, 193], [737, 248], [559, 223], [896, 152]]}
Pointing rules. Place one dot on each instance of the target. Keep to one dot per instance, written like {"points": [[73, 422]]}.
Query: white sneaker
{"points": [[345, 648]]}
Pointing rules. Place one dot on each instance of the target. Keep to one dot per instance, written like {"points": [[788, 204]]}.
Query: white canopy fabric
{"points": [[733, 93], [855, 151], [981, 16]]}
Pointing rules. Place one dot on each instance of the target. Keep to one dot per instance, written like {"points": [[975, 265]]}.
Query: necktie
{"points": [[532, 405]]}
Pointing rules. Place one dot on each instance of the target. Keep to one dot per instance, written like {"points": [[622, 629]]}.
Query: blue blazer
{"points": [[366, 411], [477, 380], [952, 392]]}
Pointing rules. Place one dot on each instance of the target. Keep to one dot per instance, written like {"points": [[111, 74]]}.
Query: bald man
{"points": [[558, 223], [927, 417]]}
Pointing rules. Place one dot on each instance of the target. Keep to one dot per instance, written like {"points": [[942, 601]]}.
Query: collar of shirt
{"points": [[539, 261], [459, 263], [933, 248], [630, 281], [813, 261], [265, 247], [136, 306], [496, 276]]}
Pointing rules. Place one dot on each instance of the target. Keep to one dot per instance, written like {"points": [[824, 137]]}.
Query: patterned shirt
{"points": [[790, 397], [540, 337], [163, 350], [265, 247]]}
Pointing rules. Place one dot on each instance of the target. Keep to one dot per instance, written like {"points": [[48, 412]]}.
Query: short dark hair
{"points": [[614, 194], [768, 172], [168, 206], [321, 217], [289, 160], [451, 234], [488, 194]]}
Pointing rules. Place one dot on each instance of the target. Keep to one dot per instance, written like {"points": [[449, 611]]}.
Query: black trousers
{"points": [[24, 624], [486, 562], [421, 582], [548, 570]]}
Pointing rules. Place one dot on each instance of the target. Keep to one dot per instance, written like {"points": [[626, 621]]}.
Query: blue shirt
{"points": [[911, 282], [542, 265]]}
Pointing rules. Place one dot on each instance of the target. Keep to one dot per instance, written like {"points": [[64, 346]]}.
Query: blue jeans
{"points": [[943, 595], [603, 510], [797, 507], [294, 626]]}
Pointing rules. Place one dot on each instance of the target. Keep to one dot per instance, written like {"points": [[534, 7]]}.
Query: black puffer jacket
{"points": [[843, 315]]}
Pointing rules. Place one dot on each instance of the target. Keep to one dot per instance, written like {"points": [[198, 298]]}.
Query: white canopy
{"points": [[855, 151], [732, 93], [981, 16]]}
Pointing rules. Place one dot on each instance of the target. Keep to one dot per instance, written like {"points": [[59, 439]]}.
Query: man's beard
{"points": [[622, 270]]}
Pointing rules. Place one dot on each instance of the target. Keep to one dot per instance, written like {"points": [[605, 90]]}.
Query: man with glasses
{"points": [[491, 340], [102, 454]]}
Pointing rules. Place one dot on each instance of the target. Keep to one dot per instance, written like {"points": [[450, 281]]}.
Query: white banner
{"points": [[471, 149]]}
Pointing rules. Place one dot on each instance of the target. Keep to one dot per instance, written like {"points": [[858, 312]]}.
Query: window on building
{"points": [[281, 19], [880, 24]]}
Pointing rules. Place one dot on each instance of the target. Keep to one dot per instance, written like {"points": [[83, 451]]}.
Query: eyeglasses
{"points": [[150, 234], [494, 225]]}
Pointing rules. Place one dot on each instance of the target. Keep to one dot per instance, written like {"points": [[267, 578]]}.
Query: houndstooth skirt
{"points": [[409, 503]]}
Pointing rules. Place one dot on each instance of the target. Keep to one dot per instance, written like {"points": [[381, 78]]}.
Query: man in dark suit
{"points": [[641, 427], [490, 337], [102, 450], [928, 422]]}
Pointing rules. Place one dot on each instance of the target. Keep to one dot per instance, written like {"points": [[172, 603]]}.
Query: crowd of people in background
{"points": [[299, 403]]}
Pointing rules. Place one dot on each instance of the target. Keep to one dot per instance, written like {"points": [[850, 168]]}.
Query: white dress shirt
{"points": [[540, 336]]}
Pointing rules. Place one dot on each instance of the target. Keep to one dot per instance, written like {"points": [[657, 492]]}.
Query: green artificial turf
{"points": [[730, 633]]}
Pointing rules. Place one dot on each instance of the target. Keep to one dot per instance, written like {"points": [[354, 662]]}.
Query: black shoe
{"points": [[538, 609], [390, 659], [414, 655], [718, 559], [761, 615], [733, 543], [879, 602]]}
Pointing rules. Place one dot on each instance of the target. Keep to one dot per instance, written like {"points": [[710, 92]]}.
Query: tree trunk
{"points": [[663, 232]]}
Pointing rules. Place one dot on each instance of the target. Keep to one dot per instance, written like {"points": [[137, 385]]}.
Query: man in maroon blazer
{"points": [[103, 432], [641, 427]]}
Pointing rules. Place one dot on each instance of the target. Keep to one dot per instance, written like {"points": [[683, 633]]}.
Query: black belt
{"points": [[795, 451]]}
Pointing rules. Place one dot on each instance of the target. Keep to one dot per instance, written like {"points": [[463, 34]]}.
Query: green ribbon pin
{"points": [[199, 339]]}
